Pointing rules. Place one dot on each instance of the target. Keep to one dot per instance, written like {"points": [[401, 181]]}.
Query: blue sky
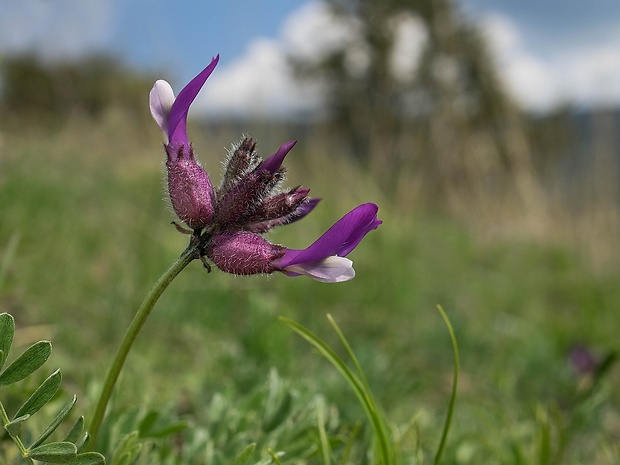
{"points": [[548, 51]]}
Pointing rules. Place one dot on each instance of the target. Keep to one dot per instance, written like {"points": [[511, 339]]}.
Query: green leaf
{"points": [[244, 456], [55, 423], [82, 442], [42, 395], [74, 434], [27, 363], [127, 449], [15, 426], [455, 382], [7, 330], [146, 425], [280, 414], [54, 452], [88, 458], [9, 255], [357, 382], [169, 430]]}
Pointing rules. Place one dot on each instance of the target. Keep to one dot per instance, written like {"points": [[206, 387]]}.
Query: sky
{"points": [[548, 52]]}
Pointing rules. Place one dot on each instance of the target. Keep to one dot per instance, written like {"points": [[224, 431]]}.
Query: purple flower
{"points": [[190, 189], [227, 223], [582, 359], [244, 252], [324, 259]]}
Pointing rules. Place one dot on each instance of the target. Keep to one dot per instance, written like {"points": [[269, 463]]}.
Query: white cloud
{"points": [[54, 28], [312, 32], [587, 75], [410, 36], [261, 81]]}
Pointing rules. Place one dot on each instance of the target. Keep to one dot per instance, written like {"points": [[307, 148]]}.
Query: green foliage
{"points": [[67, 451], [49, 93], [87, 255], [357, 380]]}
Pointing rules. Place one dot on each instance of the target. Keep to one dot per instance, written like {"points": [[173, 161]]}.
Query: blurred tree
{"points": [[412, 92], [50, 92]]}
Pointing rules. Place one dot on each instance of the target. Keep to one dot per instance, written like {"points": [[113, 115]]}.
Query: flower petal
{"points": [[329, 270], [306, 207], [178, 115], [338, 240], [161, 99], [273, 163]]}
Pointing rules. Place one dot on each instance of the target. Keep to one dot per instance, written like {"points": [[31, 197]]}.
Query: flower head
{"points": [[228, 223]]}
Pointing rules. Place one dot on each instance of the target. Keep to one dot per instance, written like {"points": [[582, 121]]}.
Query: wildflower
{"points": [[228, 223], [244, 252], [582, 359]]}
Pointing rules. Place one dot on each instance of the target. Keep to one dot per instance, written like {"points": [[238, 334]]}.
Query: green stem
{"points": [[455, 382], [18, 442], [189, 254]]}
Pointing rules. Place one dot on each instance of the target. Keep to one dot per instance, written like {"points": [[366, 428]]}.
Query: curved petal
{"points": [[161, 99], [178, 115], [329, 270], [338, 240], [273, 163], [306, 207]]}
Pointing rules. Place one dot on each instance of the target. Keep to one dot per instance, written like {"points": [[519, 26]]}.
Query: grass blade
{"points": [[9, 254], [448, 422], [385, 451]]}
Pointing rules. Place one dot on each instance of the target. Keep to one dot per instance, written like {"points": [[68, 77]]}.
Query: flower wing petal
{"points": [[338, 240]]}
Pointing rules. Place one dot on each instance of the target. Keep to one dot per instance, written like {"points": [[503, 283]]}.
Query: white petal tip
{"points": [[330, 270], [161, 99]]}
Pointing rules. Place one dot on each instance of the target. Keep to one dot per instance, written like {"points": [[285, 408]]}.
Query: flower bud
{"points": [[243, 253], [190, 189]]}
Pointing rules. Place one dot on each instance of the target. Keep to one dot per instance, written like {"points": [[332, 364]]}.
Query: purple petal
{"points": [[306, 207], [273, 163], [178, 114], [338, 240]]}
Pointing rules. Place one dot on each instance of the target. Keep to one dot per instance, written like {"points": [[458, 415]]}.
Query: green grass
{"points": [[94, 234]]}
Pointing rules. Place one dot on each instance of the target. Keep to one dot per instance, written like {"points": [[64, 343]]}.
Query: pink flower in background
{"points": [[229, 221]]}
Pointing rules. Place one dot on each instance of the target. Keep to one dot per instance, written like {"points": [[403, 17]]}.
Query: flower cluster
{"points": [[230, 221]]}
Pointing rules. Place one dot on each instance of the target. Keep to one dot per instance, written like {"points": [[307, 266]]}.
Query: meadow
{"points": [[85, 231]]}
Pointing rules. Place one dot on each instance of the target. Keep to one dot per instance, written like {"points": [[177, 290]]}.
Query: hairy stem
{"points": [[189, 254]]}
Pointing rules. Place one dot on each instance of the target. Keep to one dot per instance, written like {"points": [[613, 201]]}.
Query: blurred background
{"points": [[486, 131]]}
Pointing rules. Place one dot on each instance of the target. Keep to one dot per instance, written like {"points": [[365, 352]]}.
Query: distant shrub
{"points": [[50, 92]]}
